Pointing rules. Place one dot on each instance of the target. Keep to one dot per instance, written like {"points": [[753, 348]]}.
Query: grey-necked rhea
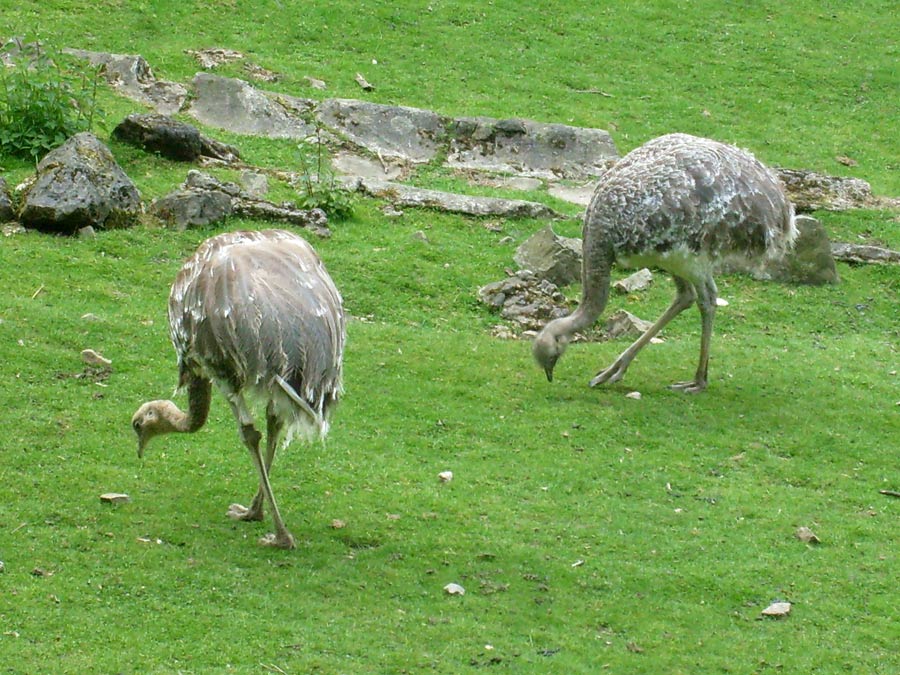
{"points": [[678, 203]]}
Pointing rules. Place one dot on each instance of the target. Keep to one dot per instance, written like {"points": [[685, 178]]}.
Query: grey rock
{"points": [[12, 229], [810, 191], [254, 183], [79, 184], [213, 57], [523, 183], [526, 300], [405, 195], [526, 147], [638, 281], [172, 139], [161, 134], [131, 75], [202, 199], [862, 253], [15, 49], [365, 167], [315, 82], [87, 232], [192, 207], [577, 194], [6, 208], [551, 257], [203, 181], [410, 134], [235, 105], [314, 220], [625, 324]]}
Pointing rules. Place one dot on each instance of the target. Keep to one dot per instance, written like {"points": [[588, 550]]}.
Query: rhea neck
{"points": [[199, 396], [163, 417], [594, 296]]}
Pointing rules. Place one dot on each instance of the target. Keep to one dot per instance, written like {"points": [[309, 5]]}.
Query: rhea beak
{"points": [[142, 441], [549, 371]]}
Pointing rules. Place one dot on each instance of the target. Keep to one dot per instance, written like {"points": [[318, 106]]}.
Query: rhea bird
{"points": [[256, 314], [678, 203]]}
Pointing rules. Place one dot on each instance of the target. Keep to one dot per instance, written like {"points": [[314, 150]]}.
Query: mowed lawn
{"points": [[591, 532]]}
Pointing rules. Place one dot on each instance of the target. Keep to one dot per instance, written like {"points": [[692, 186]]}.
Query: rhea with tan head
{"points": [[257, 315]]}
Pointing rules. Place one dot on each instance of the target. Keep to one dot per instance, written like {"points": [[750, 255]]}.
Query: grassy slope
{"points": [[682, 509]]}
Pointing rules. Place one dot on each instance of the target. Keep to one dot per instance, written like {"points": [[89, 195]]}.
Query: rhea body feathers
{"points": [[256, 314], [678, 203]]}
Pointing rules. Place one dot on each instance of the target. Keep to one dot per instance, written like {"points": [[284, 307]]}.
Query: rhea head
{"points": [[548, 346]]}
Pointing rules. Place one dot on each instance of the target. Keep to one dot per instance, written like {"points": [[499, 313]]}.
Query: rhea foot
{"points": [[612, 374], [284, 540], [692, 387], [238, 512]]}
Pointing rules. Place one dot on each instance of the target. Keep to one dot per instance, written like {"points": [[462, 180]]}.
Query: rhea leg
{"points": [[256, 510], [251, 437], [707, 293], [684, 298]]}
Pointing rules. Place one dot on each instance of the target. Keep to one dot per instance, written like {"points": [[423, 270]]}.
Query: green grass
{"points": [[680, 510]]}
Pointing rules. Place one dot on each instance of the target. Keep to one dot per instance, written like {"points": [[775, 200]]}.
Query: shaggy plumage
{"points": [[678, 203], [257, 314]]}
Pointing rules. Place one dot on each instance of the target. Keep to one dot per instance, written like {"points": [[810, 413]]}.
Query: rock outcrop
{"points": [[235, 105], [132, 76], [811, 191], [202, 199], [406, 195], [551, 257], [172, 139], [864, 254], [529, 148], [525, 299], [6, 209], [79, 184]]}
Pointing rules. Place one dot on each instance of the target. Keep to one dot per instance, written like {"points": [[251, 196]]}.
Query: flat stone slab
{"points": [[406, 195], [235, 105], [811, 191], [529, 148], [862, 253], [412, 134], [131, 75], [578, 194], [351, 164]]}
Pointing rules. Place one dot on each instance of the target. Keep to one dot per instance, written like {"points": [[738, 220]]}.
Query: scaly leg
{"points": [[684, 298], [706, 302], [251, 437], [256, 510]]}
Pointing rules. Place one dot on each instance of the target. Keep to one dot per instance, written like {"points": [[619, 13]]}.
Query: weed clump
{"points": [[318, 185], [44, 99]]}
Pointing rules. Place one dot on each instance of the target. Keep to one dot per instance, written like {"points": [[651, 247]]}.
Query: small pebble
{"points": [[92, 358], [777, 609]]}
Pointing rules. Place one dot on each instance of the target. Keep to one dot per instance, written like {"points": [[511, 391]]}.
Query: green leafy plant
{"points": [[43, 101], [318, 186]]}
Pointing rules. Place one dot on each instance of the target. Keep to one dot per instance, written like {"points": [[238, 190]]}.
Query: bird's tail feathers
{"points": [[310, 423]]}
